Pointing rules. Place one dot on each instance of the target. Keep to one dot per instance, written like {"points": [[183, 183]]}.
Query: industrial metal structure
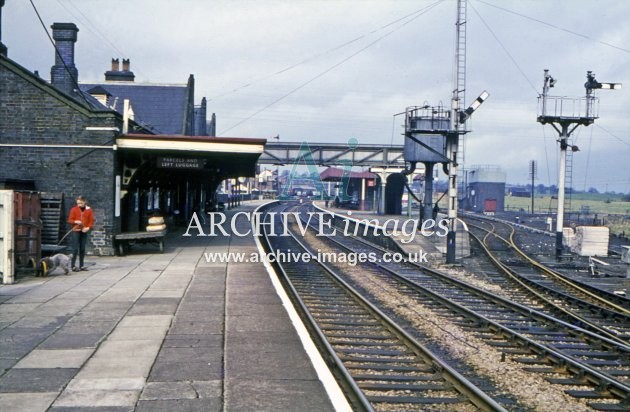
{"points": [[565, 114], [432, 133], [332, 154]]}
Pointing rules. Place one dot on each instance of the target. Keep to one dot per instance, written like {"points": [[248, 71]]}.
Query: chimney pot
{"points": [[117, 75]]}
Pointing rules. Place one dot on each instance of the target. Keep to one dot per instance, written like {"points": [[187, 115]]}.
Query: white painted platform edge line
{"points": [[338, 399]]}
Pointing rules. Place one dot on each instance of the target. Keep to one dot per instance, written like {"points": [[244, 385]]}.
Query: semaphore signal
{"points": [[565, 114]]}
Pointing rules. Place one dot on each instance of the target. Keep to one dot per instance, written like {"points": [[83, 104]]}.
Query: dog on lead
{"points": [[49, 264]]}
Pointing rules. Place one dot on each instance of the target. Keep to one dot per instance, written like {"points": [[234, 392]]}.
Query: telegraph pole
{"points": [[532, 174]]}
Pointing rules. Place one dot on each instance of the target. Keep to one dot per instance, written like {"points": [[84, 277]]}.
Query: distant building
{"points": [[485, 191], [360, 187], [519, 192]]}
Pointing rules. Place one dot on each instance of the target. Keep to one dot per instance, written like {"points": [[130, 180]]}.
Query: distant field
{"points": [[597, 204]]}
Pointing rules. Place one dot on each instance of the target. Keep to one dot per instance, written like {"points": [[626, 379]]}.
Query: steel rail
{"points": [[601, 380], [353, 393], [557, 275], [526, 284], [463, 386], [563, 278]]}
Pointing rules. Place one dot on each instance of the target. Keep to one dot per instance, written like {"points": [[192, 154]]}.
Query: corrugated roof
{"points": [[160, 108]]}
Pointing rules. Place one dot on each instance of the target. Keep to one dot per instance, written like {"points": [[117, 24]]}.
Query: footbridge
{"points": [[383, 161], [332, 154]]}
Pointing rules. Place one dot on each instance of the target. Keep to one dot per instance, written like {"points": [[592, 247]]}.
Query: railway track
{"points": [[591, 308], [378, 364], [598, 364], [507, 234]]}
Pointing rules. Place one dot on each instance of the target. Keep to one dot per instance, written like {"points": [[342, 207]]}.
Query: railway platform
{"points": [[156, 332]]}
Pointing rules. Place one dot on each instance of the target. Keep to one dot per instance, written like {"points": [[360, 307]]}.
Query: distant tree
{"points": [[592, 190], [626, 197], [541, 189]]}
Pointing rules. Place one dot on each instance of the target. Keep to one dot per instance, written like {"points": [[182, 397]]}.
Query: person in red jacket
{"points": [[81, 218]]}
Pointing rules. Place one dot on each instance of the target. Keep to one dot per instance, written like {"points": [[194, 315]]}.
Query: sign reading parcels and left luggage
{"points": [[180, 163]]}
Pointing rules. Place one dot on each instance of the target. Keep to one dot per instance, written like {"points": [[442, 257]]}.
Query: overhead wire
{"points": [[318, 55], [89, 24], [74, 80], [613, 135], [555, 26], [92, 27], [527, 79], [331, 68], [512, 59]]}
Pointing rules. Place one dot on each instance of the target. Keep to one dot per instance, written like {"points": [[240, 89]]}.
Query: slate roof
{"points": [[159, 108], [83, 99]]}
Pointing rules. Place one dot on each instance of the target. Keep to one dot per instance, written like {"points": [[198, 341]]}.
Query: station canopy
{"points": [[162, 157]]}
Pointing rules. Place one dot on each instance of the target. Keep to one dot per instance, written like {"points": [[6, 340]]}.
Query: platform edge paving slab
{"points": [[265, 370], [276, 395], [147, 332]]}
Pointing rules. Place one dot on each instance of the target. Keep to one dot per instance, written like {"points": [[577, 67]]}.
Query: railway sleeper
{"points": [[490, 333], [347, 322], [604, 362], [360, 359], [398, 378], [578, 377], [587, 394], [574, 381], [617, 372], [394, 369], [502, 344], [370, 351], [363, 343], [571, 346], [354, 328], [516, 351], [623, 406], [585, 352], [415, 400], [388, 386], [542, 369], [359, 336], [538, 360]]}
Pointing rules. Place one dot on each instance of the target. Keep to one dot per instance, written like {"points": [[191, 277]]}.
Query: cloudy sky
{"points": [[328, 71]]}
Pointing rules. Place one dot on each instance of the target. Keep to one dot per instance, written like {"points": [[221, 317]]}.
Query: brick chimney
{"points": [[3, 48], [117, 75], [64, 74]]}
